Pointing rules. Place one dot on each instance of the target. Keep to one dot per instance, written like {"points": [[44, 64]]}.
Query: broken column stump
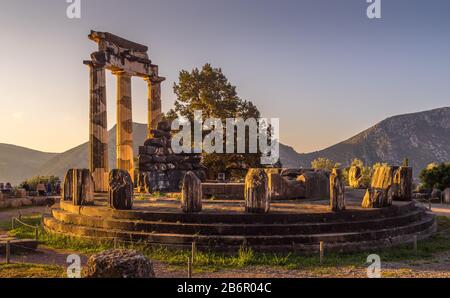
{"points": [[403, 184], [191, 195], [120, 190], [78, 187], [355, 177], [337, 191], [257, 196], [377, 198]]}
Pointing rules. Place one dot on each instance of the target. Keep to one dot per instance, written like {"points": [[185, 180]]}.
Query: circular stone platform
{"points": [[295, 225]]}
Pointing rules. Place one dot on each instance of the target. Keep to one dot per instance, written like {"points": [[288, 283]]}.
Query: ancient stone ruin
{"points": [[78, 187], [125, 59], [257, 197], [120, 190], [119, 263], [162, 170], [337, 191], [269, 219], [355, 177], [317, 184], [191, 195], [388, 183]]}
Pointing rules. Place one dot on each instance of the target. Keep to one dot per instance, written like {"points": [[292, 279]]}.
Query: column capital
{"points": [[92, 64], [122, 73], [154, 80]]}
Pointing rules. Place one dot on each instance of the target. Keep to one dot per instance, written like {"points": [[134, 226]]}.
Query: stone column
{"points": [[98, 132], [124, 131], [337, 191], [154, 104]]}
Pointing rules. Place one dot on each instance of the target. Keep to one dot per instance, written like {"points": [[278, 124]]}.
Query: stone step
{"points": [[235, 217], [237, 229], [426, 223]]}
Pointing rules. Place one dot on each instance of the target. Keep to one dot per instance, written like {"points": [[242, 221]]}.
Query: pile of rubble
{"points": [[162, 170]]}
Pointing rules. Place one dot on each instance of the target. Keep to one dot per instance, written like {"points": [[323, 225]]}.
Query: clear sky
{"points": [[321, 66]]}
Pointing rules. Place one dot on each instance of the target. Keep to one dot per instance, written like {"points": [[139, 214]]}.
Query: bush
{"points": [[322, 163], [436, 176]]}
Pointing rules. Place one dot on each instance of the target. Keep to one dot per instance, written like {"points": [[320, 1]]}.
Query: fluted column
{"points": [[98, 132], [154, 104], [124, 130]]}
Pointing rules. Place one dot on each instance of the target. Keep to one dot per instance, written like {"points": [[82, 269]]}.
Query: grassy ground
{"points": [[211, 261], [31, 271]]}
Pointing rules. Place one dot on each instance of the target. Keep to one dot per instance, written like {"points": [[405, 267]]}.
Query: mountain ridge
{"points": [[422, 137]]}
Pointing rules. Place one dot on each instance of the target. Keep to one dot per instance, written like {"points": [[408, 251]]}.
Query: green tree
{"points": [[209, 90], [436, 176], [322, 163]]}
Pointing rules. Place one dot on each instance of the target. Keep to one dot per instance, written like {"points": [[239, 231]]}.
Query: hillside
{"points": [[17, 162], [422, 137]]}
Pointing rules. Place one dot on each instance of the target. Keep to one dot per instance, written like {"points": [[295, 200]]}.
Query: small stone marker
{"points": [[257, 196], [120, 190], [191, 195], [337, 191]]}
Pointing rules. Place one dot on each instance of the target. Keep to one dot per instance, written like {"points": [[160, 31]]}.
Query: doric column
{"points": [[124, 131], [98, 132], [154, 104]]}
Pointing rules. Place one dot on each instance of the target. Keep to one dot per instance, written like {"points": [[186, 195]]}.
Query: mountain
{"points": [[78, 156], [422, 137], [16, 162]]}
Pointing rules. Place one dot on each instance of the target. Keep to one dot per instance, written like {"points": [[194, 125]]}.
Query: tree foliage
{"points": [[436, 176], [322, 163], [209, 90]]}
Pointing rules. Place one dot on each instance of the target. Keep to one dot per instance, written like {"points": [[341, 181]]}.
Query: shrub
{"points": [[436, 176]]}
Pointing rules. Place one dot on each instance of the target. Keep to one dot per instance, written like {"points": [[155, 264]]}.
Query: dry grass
{"points": [[31, 271]]}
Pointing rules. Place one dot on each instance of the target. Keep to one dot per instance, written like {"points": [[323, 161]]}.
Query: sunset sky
{"points": [[321, 66]]}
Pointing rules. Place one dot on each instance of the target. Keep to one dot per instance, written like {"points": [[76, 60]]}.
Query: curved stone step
{"points": [[426, 223], [237, 229], [236, 218]]}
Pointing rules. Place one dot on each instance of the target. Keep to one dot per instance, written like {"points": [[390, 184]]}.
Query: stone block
{"points": [[355, 177], [337, 191], [257, 196], [191, 195], [78, 187], [316, 184], [120, 190], [377, 198], [283, 188], [118, 264]]}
